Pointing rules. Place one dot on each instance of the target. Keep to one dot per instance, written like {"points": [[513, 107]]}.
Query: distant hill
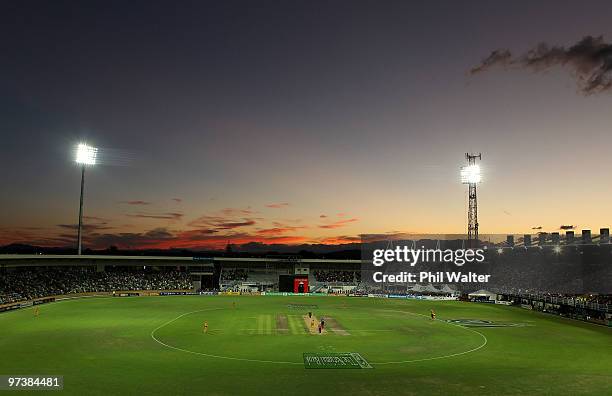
{"points": [[253, 249], [21, 248]]}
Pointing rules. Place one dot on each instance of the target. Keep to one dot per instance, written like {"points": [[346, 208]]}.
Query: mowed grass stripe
{"points": [[294, 325], [268, 325], [291, 324], [260, 324]]}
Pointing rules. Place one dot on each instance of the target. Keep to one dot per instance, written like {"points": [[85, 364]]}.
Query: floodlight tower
{"points": [[85, 155], [470, 175]]}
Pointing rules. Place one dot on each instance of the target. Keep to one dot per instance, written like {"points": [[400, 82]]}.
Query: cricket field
{"points": [[270, 345]]}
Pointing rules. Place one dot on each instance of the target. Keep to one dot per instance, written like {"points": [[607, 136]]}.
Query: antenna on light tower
{"points": [[470, 175]]}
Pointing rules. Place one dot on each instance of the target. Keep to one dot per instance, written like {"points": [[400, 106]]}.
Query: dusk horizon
{"points": [[325, 123]]}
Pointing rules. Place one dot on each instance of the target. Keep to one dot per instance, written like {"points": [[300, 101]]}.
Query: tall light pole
{"points": [[85, 155], [470, 175]]}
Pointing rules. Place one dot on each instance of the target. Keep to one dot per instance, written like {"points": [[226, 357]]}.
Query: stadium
{"points": [[364, 198], [108, 324]]}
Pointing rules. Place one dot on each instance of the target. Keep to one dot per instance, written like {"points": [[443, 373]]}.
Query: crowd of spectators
{"points": [[35, 283], [599, 299], [238, 274], [335, 276], [565, 272]]}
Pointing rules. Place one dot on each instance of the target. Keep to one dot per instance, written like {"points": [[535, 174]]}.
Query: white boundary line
{"points": [[438, 357], [208, 354], [301, 363]]}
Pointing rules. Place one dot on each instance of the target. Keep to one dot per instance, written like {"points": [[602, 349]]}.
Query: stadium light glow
{"points": [[86, 155], [557, 249], [470, 174]]}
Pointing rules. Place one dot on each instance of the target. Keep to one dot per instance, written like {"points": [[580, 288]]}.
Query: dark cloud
{"points": [[221, 222], [197, 233], [90, 224], [159, 233], [589, 60], [160, 216], [567, 227], [497, 57], [536, 228], [177, 200], [237, 212], [226, 219], [95, 218], [150, 238], [230, 225], [87, 227], [137, 202]]}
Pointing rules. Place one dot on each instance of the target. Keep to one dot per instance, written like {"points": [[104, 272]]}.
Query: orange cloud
{"points": [[277, 205], [98, 237], [196, 239], [339, 223], [340, 240], [278, 230]]}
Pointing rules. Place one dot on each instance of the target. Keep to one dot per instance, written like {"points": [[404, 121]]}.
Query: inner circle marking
{"points": [[438, 357], [301, 363], [208, 354]]}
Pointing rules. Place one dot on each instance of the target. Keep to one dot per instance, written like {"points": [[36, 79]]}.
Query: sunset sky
{"points": [[296, 121]]}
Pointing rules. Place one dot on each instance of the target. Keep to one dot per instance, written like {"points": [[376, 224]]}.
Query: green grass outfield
{"points": [[155, 345]]}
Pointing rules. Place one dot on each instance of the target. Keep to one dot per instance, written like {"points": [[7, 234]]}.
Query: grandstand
{"points": [[68, 274], [578, 277]]}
